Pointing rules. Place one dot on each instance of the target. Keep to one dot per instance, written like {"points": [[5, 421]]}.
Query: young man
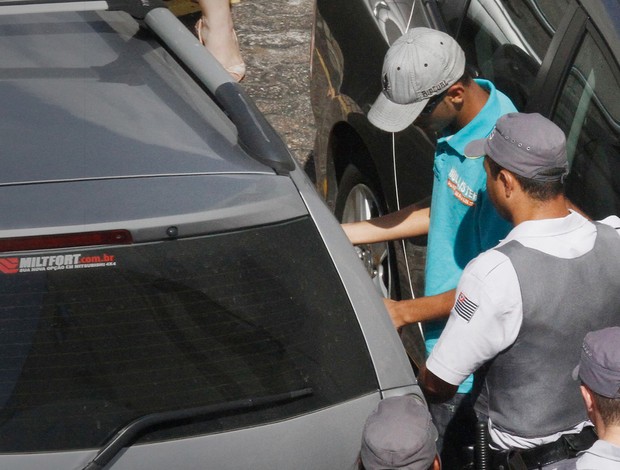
{"points": [[424, 80], [399, 434], [599, 373], [524, 307]]}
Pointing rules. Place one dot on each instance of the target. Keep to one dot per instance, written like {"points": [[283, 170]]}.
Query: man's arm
{"points": [[435, 389], [485, 320], [433, 307], [410, 221]]}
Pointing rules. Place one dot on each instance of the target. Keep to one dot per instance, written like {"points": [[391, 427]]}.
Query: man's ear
{"points": [[587, 398], [508, 181], [436, 463], [455, 93]]}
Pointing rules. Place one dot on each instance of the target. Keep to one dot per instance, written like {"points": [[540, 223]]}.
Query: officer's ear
{"points": [[507, 181], [436, 464], [588, 399]]}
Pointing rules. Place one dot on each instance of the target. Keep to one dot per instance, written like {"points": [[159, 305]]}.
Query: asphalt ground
{"points": [[274, 38]]}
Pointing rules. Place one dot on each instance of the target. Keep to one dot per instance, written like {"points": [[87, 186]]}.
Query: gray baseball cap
{"points": [[422, 63], [399, 434], [599, 366], [528, 145]]}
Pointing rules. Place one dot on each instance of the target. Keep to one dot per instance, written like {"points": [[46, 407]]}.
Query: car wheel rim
{"points": [[362, 204]]}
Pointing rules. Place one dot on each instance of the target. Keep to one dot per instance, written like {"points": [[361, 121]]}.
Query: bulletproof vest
{"points": [[530, 387]]}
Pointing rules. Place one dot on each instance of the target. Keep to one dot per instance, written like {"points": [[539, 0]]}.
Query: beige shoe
{"points": [[237, 71]]}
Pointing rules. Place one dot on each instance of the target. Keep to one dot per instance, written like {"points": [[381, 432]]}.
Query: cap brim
{"points": [[475, 149], [394, 117]]}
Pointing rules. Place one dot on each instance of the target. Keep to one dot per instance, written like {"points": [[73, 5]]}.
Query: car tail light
{"points": [[43, 242]]}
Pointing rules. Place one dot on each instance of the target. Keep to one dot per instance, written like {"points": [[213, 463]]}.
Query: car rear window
{"points": [[93, 338]]}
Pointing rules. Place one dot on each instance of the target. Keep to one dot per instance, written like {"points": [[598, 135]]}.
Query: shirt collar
{"points": [[546, 227]]}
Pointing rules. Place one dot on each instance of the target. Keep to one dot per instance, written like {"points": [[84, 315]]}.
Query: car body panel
{"points": [[275, 445], [194, 204]]}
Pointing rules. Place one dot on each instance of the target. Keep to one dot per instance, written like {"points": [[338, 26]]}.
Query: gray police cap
{"points": [[599, 366], [399, 434], [528, 145]]}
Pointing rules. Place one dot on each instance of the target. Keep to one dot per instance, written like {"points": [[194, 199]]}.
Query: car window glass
{"points": [[536, 20], [589, 113], [506, 42], [92, 339]]}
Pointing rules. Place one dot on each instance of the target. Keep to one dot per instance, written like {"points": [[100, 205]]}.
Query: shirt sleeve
{"points": [[484, 321], [613, 221]]}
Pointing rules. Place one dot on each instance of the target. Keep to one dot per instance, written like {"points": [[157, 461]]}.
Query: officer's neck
{"points": [[532, 209], [610, 434]]}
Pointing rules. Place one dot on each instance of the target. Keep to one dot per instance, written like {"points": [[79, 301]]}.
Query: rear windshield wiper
{"points": [[127, 434]]}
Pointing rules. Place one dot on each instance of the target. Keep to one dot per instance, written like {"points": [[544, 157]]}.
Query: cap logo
{"points": [[434, 89], [385, 82]]}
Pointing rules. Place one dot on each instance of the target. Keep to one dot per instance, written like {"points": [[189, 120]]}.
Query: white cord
{"points": [[398, 197], [398, 208], [410, 16], [403, 240]]}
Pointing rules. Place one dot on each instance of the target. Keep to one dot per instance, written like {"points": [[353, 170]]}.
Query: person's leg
{"points": [[216, 31]]}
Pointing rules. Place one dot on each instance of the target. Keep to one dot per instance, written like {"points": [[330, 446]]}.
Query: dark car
{"points": [[175, 294], [558, 58]]}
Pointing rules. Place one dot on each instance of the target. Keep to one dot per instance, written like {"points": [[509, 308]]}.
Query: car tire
{"points": [[359, 198]]}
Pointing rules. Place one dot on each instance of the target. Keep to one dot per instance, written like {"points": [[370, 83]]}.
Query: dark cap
{"points": [[528, 145], [599, 366], [399, 434]]}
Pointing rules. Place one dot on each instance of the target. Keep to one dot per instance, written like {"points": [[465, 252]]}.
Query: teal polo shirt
{"points": [[463, 221]]}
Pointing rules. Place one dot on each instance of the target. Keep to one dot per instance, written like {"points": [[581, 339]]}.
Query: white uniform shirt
{"points": [[488, 312], [603, 455]]}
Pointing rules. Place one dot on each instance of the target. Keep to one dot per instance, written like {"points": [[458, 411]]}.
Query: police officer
{"points": [[400, 435], [599, 373], [524, 307]]}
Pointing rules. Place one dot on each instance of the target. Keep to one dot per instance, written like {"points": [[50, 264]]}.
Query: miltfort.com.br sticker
{"points": [[29, 264]]}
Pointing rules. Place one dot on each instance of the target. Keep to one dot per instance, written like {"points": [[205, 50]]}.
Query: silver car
{"points": [[175, 294]]}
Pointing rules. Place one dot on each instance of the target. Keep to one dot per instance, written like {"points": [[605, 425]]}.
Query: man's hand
{"points": [[434, 307], [395, 309]]}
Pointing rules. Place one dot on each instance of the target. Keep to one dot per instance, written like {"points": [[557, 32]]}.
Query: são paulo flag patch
{"points": [[465, 307]]}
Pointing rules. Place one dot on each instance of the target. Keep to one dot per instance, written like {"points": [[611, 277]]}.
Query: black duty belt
{"points": [[566, 447]]}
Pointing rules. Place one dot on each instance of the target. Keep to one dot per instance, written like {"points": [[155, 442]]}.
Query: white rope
{"points": [[398, 208], [403, 240], [398, 196], [410, 16]]}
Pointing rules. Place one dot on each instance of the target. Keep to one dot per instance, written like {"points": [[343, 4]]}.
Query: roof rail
{"points": [[136, 8]]}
